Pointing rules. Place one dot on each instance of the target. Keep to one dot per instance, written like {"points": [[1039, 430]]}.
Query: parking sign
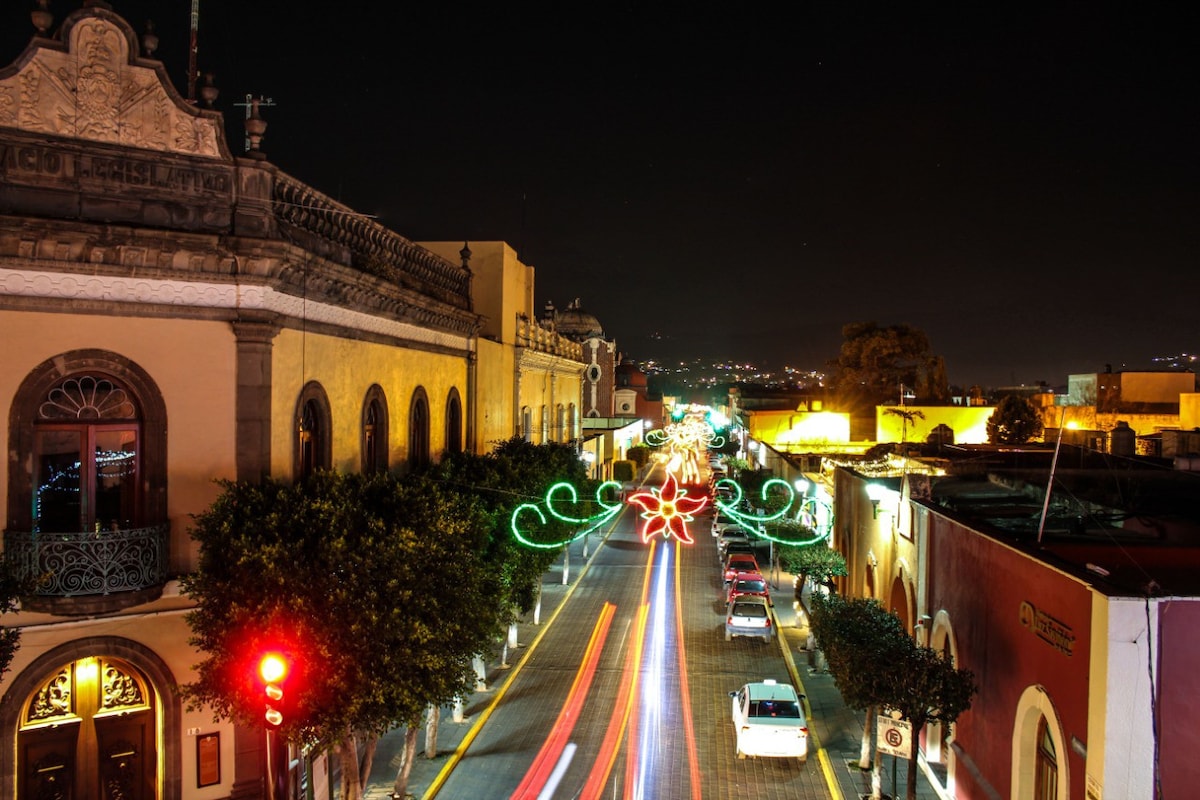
{"points": [[893, 736]]}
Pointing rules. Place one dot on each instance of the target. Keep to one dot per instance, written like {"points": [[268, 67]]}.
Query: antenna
{"points": [[1053, 464], [263, 102], [192, 49]]}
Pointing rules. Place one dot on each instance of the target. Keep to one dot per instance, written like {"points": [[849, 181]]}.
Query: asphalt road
{"points": [[626, 619]]}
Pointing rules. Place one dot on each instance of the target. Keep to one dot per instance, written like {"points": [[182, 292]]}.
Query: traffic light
{"points": [[273, 669]]}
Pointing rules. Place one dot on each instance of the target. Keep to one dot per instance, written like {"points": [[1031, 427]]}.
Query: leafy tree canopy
{"points": [[861, 642], [875, 362], [518, 472], [376, 588], [13, 585], [1015, 421], [817, 561], [931, 689]]}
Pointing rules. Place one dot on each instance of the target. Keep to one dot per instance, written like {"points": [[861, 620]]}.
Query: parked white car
{"points": [[768, 720]]}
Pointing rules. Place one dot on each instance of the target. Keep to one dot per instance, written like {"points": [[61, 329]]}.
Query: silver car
{"points": [[749, 615]]}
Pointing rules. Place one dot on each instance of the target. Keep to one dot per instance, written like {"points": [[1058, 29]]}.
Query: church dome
{"points": [[576, 324]]}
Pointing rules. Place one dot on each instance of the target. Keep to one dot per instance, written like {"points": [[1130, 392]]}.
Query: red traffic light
{"points": [[273, 668]]}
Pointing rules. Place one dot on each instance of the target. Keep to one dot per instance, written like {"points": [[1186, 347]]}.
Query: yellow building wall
{"points": [[501, 286], [544, 389], [783, 429], [346, 368], [969, 423], [1189, 411], [495, 419], [192, 363]]}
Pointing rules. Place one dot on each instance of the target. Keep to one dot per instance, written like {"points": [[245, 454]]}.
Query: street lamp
{"points": [[876, 492]]}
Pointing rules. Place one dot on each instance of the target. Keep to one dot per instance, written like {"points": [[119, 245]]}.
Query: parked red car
{"points": [[745, 583], [739, 562]]}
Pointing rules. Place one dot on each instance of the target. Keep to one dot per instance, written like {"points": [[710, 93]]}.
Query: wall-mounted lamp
{"points": [[876, 492]]}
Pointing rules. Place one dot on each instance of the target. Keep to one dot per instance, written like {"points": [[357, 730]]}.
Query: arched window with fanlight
{"points": [[312, 442], [85, 456], [418, 430], [454, 423], [375, 431], [87, 446]]}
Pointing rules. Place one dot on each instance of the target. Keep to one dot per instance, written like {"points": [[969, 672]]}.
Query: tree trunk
{"points": [[911, 792], [351, 779], [367, 762], [400, 788], [432, 716], [877, 778], [864, 753]]}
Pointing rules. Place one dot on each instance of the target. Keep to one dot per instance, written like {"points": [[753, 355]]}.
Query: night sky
{"points": [[1017, 180]]}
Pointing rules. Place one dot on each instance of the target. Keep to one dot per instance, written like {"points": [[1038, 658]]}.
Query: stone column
{"points": [[253, 405]]}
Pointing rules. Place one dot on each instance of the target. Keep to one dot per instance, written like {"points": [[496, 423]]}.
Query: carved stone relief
{"points": [[92, 92]]}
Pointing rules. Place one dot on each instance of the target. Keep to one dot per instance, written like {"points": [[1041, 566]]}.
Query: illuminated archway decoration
{"points": [[692, 433], [560, 500], [814, 515], [685, 441], [667, 510]]}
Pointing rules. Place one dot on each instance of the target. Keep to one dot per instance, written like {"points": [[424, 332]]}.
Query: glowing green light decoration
{"points": [[813, 514], [667, 510], [559, 500]]}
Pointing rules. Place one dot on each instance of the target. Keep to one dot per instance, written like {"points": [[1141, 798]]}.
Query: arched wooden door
{"points": [[89, 732]]}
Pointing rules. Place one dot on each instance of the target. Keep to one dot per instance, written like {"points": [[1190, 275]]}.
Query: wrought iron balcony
{"points": [[100, 564]]}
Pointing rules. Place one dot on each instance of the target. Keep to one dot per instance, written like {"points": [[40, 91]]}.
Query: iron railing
{"points": [[90, 563]]}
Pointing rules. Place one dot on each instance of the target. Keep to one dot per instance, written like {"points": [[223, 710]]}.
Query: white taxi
{"points": [[768, 720]]}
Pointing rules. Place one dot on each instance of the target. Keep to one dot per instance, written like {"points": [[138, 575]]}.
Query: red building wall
{"points": [[988, 589], [1179, 697]]}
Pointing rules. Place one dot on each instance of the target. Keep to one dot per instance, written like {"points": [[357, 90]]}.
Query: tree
{"points": [[377, 588], [928, 688], [817, 561], [861, 641], [1015, 421], [517, 472], [13, 586], [876, 665], [875, 362], [639, 454], [908, 416]]}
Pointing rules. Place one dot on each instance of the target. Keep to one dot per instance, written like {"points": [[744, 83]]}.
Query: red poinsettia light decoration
{"points": [[668, 510]]}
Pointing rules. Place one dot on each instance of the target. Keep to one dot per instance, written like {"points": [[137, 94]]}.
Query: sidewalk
{"points": [[835, 729]]}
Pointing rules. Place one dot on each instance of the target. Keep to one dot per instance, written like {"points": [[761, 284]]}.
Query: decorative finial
{"points": [[41, 16], [150, 39], [209, 91], [465, 255], [256, 126]]}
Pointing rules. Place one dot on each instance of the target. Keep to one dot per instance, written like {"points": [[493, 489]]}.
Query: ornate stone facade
{"points": [[250, 325]]}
